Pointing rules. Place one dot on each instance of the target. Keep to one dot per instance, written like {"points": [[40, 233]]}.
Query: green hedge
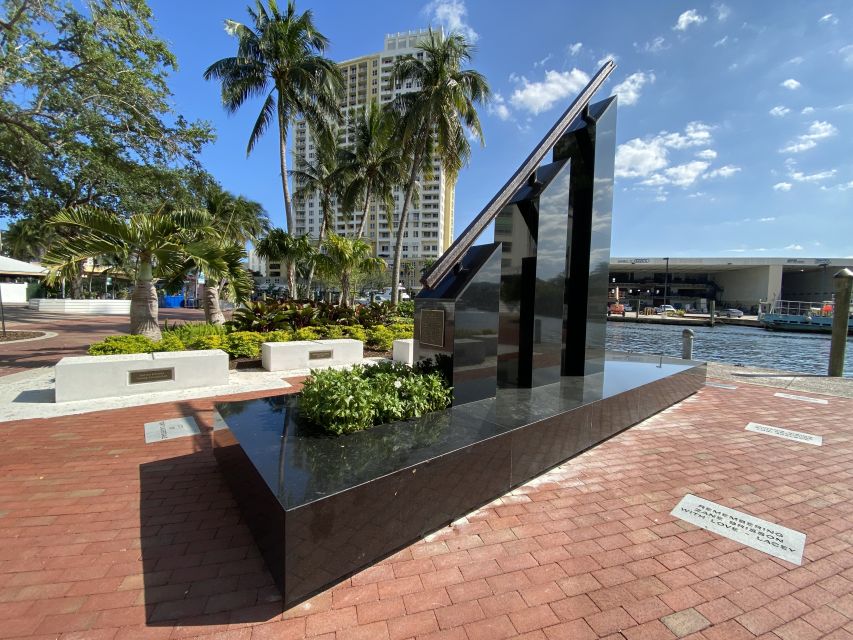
{"points": [[348, 400]]}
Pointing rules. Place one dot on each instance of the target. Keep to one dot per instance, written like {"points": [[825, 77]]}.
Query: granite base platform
{"points": [[322, 507]]}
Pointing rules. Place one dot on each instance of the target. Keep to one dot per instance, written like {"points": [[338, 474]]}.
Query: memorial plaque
{"points": [[320, 355], [432, 327], [798, 436], [759, 534], [151, 375], [720, 386], [801, 398], [170, 429]]}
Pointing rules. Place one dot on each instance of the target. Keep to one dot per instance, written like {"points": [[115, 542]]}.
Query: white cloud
{"points": [[707, 154], [723, 11], [791, 84], [845, 187], [796, 60], [497, 107], [818, 130], [726, 171], [779, 111], [782, 186], [769, 219], [807, 110], [684, 175], [537, 97], [721, 42], [847, 54], [629, 89], [799, 176], [829, 19], [452, 14], [687, 18], [606, 57], [541, 63], [637, 158], [795, 247], [655, 45], [575, 48], [696, 134]]}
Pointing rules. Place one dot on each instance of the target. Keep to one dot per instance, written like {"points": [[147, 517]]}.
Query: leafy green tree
{"points": [[236, 221], [162, 244], [374, 163], [434, 118], [345, 258], [280, 246], [27, 239], [280, 58]]}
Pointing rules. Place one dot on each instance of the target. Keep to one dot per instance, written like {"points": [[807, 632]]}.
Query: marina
{"points": [[806, 353]]}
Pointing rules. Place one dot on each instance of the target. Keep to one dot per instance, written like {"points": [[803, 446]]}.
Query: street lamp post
{"points": [[666, 283]]}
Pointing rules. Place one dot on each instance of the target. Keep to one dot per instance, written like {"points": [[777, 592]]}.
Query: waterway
{"points": [[801, 352]]}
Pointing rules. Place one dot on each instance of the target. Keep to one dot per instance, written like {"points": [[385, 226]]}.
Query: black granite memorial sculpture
{"points": [[518, 326]]}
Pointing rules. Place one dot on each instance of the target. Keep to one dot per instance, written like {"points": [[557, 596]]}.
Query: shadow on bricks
{"points": [[200, 563]]}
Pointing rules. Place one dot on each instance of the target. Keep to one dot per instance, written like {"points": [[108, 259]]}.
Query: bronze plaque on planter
{"points": [[319, 355], [151, 375], [432, 327]]}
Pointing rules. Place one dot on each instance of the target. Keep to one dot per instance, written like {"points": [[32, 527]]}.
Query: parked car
{"points": [[665, 308], [730, 313], [627, 307]]}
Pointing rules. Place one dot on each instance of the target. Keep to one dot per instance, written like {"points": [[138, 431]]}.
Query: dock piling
{"points": [[687, 344], [843, 286]]}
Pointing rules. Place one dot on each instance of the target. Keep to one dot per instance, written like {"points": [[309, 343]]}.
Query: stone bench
{"points": [[310, 354], [90, 377]]}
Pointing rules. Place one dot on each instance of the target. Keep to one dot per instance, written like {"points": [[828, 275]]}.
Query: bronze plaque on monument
{"points": [[151, 375], [432, 327], [319, 355]]}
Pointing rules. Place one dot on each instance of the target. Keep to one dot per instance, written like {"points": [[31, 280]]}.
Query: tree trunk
{"points": [[143, 306], [212, 311], [360, 231], [77, 280], [288, 205], [319, 244], [398, 246], [345, 289]]}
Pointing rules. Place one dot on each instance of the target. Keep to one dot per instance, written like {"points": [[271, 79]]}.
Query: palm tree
{"points": [[237, 220], [27, 239], [280, 56], [162, 245], [279, 245], [374, 162], [343, 258], [435, 117], [326, 176]]}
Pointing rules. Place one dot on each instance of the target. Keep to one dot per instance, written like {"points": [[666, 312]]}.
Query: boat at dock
{"points": [[794, 315]]}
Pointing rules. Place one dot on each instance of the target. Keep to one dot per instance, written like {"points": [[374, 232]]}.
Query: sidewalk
{"points": [[103, 536]]}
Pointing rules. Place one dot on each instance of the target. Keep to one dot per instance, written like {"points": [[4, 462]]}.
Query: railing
{"points": [[454, 253]]}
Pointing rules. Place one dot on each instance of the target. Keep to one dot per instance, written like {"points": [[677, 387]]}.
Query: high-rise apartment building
{"points": [[429, 230]]}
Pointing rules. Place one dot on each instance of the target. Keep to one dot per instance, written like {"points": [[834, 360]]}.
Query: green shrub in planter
{"points": [[169, 342], [189, 331], [338, 401], [307, 333], [117, 345], [332, 332], [380, 338], [244, 344], [355, 399], [406, 309], [207, 342], [282, 335], [402, 330], [355, 332]]}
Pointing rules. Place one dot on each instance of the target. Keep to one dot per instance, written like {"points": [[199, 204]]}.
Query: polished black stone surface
{"points": [[467, 352], [323, 507], [590, 146]]}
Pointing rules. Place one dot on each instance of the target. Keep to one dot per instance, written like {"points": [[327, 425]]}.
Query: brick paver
{"points": [[102, 536]]}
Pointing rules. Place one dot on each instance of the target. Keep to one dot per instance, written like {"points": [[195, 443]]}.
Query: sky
{"points": [[734, 122]]}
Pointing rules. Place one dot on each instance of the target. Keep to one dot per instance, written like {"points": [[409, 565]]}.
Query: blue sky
{"points": [[734, 121]]}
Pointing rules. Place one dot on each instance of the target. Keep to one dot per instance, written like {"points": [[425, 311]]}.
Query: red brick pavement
{"points": [[74, 335], [105, 537]]}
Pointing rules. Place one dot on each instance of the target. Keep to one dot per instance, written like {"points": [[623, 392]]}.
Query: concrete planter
{"points": [[82, 307]]}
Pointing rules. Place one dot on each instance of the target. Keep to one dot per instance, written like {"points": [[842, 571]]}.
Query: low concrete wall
{"points": [[404, 351], [82, 307], [13, 292], [89, 377], [310, 354]]}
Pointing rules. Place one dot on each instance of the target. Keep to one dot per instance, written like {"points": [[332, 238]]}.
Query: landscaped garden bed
{"points": [[13, 336]]}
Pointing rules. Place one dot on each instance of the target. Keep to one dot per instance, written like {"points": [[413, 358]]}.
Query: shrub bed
{"points": [[349, 400]]}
